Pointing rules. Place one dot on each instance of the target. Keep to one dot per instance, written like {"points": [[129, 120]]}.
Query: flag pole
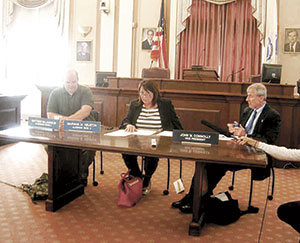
{"points": [[151, 64]]}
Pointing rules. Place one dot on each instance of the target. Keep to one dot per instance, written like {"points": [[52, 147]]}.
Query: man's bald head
{"points": [[71, 81]]}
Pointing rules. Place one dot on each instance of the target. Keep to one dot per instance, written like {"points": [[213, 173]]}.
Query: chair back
{"points": [[95, 115], [155, 72], [255, 78]]}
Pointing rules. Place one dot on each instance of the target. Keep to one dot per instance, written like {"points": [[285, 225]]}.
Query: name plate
{"points": [[195, 137], [43, 123], [82, 126]]}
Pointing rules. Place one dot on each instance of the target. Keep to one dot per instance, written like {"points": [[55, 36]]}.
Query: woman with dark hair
{"points": [[149, 111]]}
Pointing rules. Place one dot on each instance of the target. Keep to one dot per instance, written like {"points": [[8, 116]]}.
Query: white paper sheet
{"points": [[122, 133], [222, 196], [165, 133], [224, 138]]}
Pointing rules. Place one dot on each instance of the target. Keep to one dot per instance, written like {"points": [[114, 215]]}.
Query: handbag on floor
{"points": [[222, 209], [130, 190]]}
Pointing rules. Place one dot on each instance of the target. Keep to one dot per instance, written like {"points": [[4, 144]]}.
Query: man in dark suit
{"points": [[259, 121], [147, 44], [294, 44]]}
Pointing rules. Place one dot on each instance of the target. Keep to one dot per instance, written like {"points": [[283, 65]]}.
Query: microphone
{"points": [[199, 67], [218, 129], [242, 69], [203, 53]]}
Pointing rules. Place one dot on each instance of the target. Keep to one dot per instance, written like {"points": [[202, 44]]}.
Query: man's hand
{"points": [[236, 130]]}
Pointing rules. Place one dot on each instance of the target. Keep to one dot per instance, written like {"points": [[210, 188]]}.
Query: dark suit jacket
{"points": [[267, 127], [168, 116], [287, 47], [267, 130], [146, 45]]}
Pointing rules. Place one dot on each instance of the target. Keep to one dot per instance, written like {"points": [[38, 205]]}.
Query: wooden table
{"points": [[64, 153], [217, 102], [10, 111]]}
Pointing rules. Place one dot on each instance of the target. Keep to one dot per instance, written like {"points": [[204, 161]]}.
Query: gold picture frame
{"points": [[83, 50], [291, 40], [147, 38]]}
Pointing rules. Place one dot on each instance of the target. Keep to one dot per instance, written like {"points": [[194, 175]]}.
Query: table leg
{"points": [[197, 220], [64, 182]]}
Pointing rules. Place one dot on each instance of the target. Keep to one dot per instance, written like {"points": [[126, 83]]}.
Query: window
{"points": [[35, 53]]}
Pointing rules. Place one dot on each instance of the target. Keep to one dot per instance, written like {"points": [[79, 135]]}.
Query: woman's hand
{"points": [[245, 140], [130, 128]]}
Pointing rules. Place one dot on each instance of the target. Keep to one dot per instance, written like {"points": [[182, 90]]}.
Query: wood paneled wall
{"points": [[216, 102]]}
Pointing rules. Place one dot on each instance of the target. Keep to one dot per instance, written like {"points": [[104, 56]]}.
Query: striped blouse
{"points": [[149, 119]]}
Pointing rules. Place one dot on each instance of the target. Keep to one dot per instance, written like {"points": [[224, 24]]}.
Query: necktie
{"points": [[250, 123]]}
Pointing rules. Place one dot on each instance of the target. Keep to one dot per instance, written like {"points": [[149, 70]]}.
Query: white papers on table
{"points": [[165, 133], [122, 133], [224, 138]]}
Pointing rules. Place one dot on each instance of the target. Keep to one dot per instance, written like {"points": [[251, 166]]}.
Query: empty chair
{"points": [[252, 209], [255, 78], [95, 114]]}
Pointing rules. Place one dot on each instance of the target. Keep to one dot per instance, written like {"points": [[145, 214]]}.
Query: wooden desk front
{"points": [[10, 111], [216, 102], [202, 73], [64, 166]]}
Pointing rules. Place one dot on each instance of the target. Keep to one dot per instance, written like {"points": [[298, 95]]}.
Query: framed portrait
{"points": [[147, 38], [291, 41], [83, 50]]}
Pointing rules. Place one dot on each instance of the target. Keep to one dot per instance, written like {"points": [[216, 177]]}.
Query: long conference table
{"points": [[64, 153]]}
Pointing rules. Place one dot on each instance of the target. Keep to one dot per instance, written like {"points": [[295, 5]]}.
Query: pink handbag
{"points": [[130, 190]]}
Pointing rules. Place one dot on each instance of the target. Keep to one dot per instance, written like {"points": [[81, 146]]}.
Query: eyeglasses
{"points": [[145, 93]]}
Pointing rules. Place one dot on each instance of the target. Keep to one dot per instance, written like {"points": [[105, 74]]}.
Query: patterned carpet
{"points": [[94, 217]]}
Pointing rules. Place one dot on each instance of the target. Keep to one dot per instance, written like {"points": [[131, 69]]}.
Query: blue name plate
{"points": [[82, 126], [195, 137], [43, 123]]}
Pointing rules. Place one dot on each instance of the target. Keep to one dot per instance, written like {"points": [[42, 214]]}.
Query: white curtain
{"points": [[7, 11], [6, 16], [35, 51], [266, 14], [220, 1], [259, 12], [31, 3], [183, 12]]}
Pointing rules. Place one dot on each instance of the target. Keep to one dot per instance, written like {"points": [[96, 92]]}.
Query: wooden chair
{"points": [[166, 191], [252, 209], [95, 114], [255, 78]]}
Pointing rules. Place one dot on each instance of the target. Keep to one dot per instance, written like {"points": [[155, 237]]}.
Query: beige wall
{"points": [[116, 36], [109, 53], [83, 13], [148, 13], [288, 18]]}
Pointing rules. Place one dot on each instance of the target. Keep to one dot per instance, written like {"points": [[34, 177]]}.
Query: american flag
{"points": [[159, 52]]}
